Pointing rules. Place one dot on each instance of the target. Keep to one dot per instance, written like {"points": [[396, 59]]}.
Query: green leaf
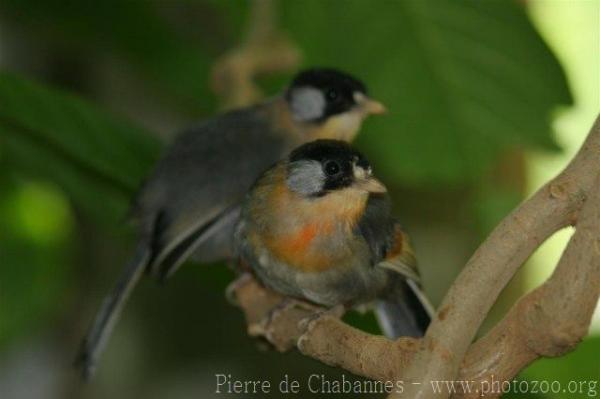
{"points": [[462, 79], [172, 45], [99, 160], [492, 204]]}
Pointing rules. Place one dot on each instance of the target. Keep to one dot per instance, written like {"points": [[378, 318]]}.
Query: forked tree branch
{"points": [[469, 299], [553, 318]]}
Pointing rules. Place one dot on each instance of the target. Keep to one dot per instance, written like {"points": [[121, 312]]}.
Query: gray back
{"points": [[206, 170]]}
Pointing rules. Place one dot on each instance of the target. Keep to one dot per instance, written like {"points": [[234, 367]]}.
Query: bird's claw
{"points": [[234, 286], [337, 312], [288, 304]]}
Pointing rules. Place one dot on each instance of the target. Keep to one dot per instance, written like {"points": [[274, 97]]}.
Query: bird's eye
{"points": [[332, 94], [332, 168]]}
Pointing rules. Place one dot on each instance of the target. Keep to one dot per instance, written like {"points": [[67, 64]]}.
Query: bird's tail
{"points": [[404, 311], [95, 341]]}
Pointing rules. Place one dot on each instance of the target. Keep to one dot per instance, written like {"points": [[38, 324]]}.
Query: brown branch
{"points": [[552, 319], [326, 338], [491, 267], [265, 50]]}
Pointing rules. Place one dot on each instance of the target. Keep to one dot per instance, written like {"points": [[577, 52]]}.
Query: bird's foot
{"points": [[280, 326], [234, 286], [336, 312], [288, 305]]}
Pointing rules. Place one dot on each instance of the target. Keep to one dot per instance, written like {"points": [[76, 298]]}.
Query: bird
{"points": [[189, 204], [317, 226]]}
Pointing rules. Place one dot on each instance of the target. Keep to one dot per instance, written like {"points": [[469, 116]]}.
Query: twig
{"points": [[265, 50]]}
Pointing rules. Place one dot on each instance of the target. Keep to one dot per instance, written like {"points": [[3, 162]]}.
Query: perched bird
{"points": [[189, 204], [317, 226]]}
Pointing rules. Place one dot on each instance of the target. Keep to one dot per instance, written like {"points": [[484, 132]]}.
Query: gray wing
{"points": [[376, 226], [403, 309], [389, 246], [198, 184]]}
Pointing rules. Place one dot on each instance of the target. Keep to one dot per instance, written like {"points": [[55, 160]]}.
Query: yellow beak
{"points": [[368, 105], [371, 185], [374, 107]]}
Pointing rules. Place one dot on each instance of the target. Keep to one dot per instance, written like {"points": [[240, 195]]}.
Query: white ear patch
{"points": [[307, 103], [306, 177]]}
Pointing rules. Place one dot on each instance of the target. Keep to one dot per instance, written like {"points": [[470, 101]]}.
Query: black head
{"points": [[322, 166], [316, 94]]}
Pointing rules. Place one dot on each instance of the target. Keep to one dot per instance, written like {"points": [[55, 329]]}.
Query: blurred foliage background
{"points": [[487, 99]]}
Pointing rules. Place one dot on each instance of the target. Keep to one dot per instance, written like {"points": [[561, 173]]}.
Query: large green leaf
{"points": [[98, 159], [462, 79]]}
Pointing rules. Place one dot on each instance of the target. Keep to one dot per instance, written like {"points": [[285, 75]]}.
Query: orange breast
{"points": [[298, 248], [302, 227], [300, 241]]}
